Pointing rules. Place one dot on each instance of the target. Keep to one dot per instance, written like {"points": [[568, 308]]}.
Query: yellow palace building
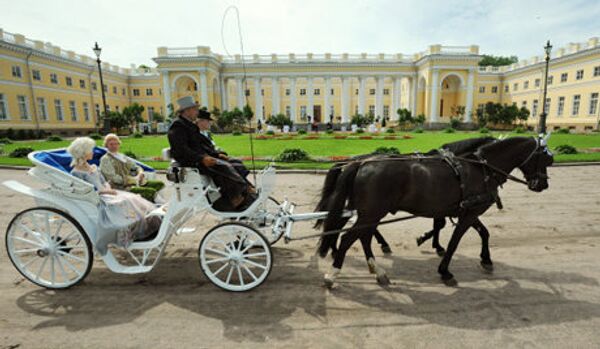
{"points": [[45, 87]]}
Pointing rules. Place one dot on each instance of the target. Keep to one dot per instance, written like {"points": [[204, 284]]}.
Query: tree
{"points": [[523, 115], [404, 116], [158, 117], [133, 115], [117, 120], [497, 61], [362, 120], [279, 121]]}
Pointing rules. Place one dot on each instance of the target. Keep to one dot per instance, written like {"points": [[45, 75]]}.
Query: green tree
{"points": [[279, 121], [133, 115], [497, 61], [362, 120], [117, 120]]}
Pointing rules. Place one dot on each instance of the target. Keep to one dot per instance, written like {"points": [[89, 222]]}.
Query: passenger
{"points": [[123, 173], [123, 215]]}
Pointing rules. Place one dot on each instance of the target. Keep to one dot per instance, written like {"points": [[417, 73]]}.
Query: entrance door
{"points": [[317, 113]]}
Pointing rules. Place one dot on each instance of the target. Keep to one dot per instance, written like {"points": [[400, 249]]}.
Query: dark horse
{"points": [[428, 187], [459, 148]]}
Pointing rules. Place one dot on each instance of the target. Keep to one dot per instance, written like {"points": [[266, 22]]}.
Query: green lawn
{"points": [[150, 146]]}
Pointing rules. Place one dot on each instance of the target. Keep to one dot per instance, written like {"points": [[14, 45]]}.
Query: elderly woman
{"points": [[122, 173], [123, 216]]}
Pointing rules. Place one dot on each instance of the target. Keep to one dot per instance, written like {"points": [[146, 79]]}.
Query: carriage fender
{"points": [[76, 211]]}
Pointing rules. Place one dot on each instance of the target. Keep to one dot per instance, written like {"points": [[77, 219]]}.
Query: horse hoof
{"points": [[440, 252], [386, 250], [420, 241], [450, 282], [329, 283], [383, 280], [371, 269], [487, 267]]}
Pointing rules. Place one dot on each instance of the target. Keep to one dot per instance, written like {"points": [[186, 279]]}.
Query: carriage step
{"points": [[185, 230]]}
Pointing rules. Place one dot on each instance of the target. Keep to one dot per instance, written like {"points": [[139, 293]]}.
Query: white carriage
{"points": [[53, 244]]}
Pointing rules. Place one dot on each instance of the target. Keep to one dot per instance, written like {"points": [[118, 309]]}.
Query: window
{"points": [[58, 110], [3, 111], [579, 75], [81, 83], [386, 91], [564, 77], [524, 104], [42, 110], [303, 111], [287, 91], [515, 86], [372, 91], [302, 91], [262, 91], [547, 106], [94, 86], [526, 85], [97, 108], [123, 92], [576, 102], [247, 92], [73, 110], [68, 81], [115, 90], [86, 111], [550, 79], [386, 111], [317, 92], [505, 88], [53, 78], [16, 71], [332, 92], [331, 110], [356, 92], [105, 88], [108, 108], [288, 110], [480, 107], [36, 75], [148, 92], [537, 82], [594, 103], [597, 71], [117, 108], [136, 92], [494, 89], [561, 106], [371, 110], [534, 108], [150, 113], [23, 112], [481, 89]]}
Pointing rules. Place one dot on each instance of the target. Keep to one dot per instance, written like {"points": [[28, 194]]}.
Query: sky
{"points": [[130, 31]]}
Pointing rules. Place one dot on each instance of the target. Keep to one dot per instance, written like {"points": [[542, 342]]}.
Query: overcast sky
{"points": [[130, 31]]}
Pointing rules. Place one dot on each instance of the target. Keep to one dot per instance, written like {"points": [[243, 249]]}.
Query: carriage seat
{"points": [[178, 174]]}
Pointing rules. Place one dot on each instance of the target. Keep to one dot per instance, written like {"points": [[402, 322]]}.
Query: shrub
{"points": [[418, 130], [21, 134], [329, 132], [563, 131], [519, 129], [54, 139], [236, 133], [484, 130], [95, 136], [137, 135], [389, 130], [20, 152], [359, 131], [566, 149], [301, 131], [146, 193], [294, 154], [130, 154], [387, 150], [448, 130], [270, 132], [454, 123], [5, 140]]}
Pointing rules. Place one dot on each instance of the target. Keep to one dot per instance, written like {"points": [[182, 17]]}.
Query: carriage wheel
{"points": [[49, 248], [235, 257], [265, 217]]}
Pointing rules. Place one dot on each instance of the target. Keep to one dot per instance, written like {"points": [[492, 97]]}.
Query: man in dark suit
{"points": [[192, 149]]}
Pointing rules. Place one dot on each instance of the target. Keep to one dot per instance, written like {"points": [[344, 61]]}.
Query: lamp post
{"points": [[97, 51], [542, 125]]}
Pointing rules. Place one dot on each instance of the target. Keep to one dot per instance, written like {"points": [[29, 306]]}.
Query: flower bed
{"points": [[390, 137], [365, 137], [340, 137], [311, 137], [407, 137]]}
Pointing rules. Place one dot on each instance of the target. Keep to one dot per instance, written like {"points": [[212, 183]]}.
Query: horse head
{"points": [[535, 166]]}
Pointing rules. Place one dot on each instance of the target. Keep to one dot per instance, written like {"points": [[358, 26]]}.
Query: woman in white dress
{"points": [[122, 216]]}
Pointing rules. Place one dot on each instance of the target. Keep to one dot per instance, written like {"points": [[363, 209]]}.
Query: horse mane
{"points": [[468, 145], [501, 145]]}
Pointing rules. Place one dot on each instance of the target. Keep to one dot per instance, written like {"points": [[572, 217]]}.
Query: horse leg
{"points": [[374, 268], [438, 225], [486, 260], [463, 224], [385, 247]]}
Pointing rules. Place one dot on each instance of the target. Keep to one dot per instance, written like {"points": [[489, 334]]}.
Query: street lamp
{"points": [[97, 51], [542, 125]]}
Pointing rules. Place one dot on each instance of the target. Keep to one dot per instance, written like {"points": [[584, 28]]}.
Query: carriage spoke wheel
{"points": [[235, 257], [49, 248], [264, 218]]}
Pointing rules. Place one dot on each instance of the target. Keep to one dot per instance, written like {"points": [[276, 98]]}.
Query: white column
{"points": [[396, 95], [345, 99], [275, 95], [258, 99], [166, 91], [379, 97], [293, 99], [433, 110], [204, 90], [224, 92], [310, 109], [469, 103], [414, 85], [327, 99], [240, 93], [361, 95]]}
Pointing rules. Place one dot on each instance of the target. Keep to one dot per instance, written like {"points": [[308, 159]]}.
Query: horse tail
{"points": [[335, 207], [328, 188]]}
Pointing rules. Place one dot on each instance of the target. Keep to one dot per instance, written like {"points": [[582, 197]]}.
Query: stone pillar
{"points": [[396, 96], [204, 90], [310, 109], [345, 99], [379, 97], [362, 101], [414, 85], [327, 99], [293, 99], [469, 102], [166, 91], [275, 95], [433, 110], [224, 93], [258, 99], [240, 93]]}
